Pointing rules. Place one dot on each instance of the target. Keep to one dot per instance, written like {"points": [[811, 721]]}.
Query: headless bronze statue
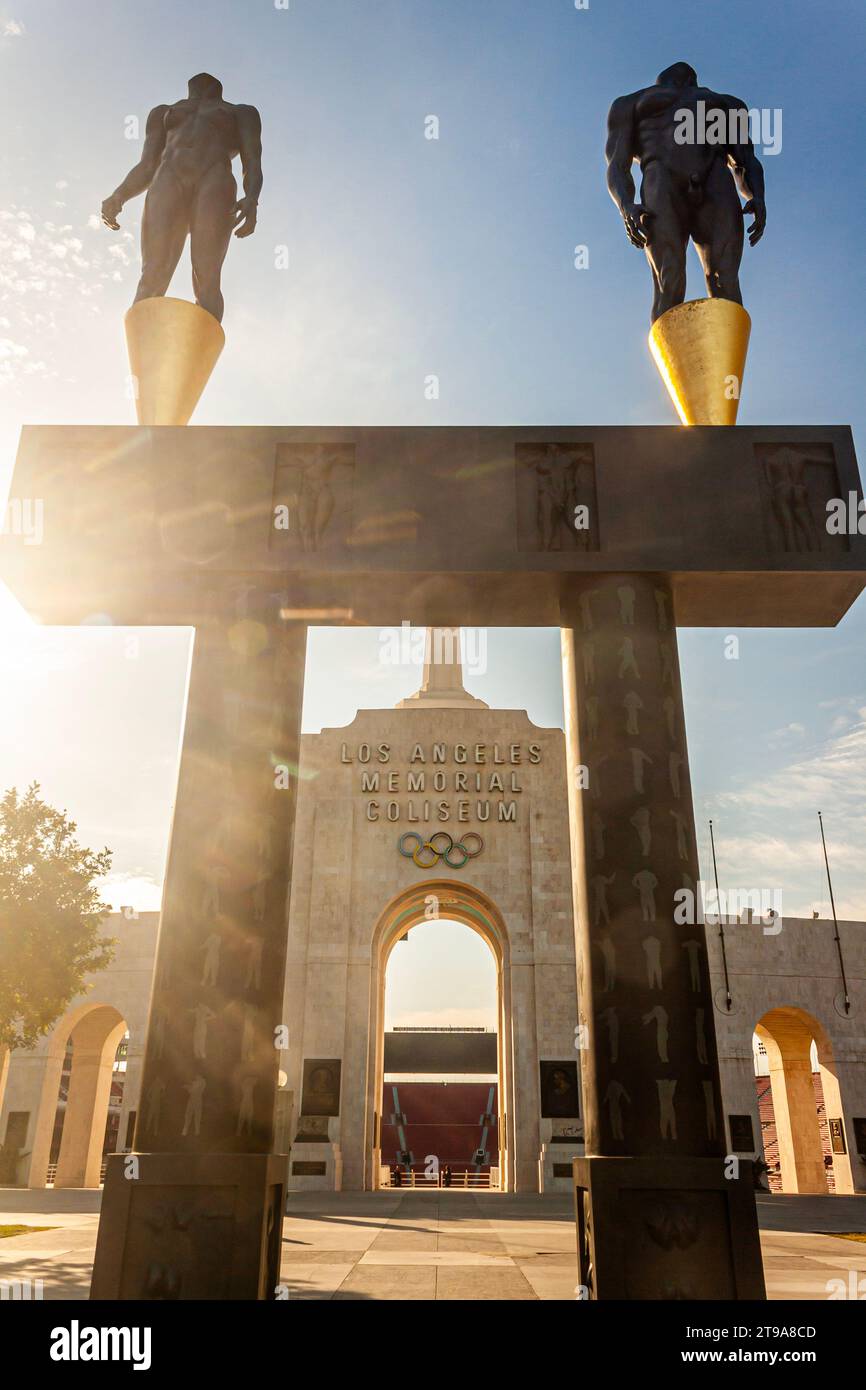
{"points": [[186, 168], [688, 189]]}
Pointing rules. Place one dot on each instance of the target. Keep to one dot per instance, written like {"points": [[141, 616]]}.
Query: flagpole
{"points": [[721, 928], [835, 923]]}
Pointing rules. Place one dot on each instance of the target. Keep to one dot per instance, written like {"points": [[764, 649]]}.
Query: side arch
{"points": [[787, 1033], [95, 1029]]}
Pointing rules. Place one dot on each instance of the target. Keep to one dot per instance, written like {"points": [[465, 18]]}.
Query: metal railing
{"points": [[51, 1174], [467, 1178]]}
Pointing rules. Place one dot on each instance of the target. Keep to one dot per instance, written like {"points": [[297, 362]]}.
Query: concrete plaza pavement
{"points": [[444, 1245]]}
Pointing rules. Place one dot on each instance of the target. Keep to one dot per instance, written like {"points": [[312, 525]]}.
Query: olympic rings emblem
{"points": [[436, 852]]}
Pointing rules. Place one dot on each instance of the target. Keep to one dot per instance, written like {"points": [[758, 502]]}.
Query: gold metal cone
{"points": [[173, 347], [700, 350]]}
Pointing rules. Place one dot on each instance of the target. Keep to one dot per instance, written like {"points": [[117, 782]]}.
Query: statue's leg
{"points": [[210, 230], [164, 226], [717, 231], [667, 239]]}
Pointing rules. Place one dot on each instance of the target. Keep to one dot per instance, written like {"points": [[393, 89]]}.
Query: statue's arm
{"points": [[139, 178], [620, 153], [748, 175], [250, 149]]}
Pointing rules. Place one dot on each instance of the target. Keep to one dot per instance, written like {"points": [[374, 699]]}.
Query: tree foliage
{"points": [[50, 912]]}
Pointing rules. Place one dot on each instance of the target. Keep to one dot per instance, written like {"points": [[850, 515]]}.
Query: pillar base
{"points": [[666, 1228], [191, 1226], [316, 1167], [700, 350], [173, 348]]}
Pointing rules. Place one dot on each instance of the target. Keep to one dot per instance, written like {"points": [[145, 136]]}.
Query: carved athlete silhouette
{"points": [[186, 168], [687, 190]]}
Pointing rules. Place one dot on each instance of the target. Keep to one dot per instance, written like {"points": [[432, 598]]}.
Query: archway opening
{"points": [[440, 1094], [799, 1105], [89, 1098], [450, 906]]}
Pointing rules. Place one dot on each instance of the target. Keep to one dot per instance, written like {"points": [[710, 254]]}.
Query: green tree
{"points": [[50, 912]]}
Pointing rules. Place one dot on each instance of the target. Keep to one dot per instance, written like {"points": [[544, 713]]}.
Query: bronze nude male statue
{"points": [[186, 168], [688, 187]]}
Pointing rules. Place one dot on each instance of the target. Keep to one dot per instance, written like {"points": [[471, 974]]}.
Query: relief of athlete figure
{"points": [[687, 190], [789, 494], [186, 168], [557, 495], [316, 498]]}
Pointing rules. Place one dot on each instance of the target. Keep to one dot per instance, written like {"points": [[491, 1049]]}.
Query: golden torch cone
{"points": [[173, 347], [700, 350]]}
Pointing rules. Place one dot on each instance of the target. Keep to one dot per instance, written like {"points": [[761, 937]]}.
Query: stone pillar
{"points": [[5, 1054], [801, 1157], [657, 1215], [524, 1129], [356, 1112], [44, 1080], [201, 1215], [843, 1176], [131, 1089], [506, 1084]]}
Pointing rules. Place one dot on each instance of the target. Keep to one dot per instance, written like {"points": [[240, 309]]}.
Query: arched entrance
{"points": [[440, 1106], [460, 902], [89, 1038], [787, 1034]]}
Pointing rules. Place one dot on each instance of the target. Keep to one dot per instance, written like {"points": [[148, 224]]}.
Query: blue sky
{"points": [[409, 257], [442, 975]]}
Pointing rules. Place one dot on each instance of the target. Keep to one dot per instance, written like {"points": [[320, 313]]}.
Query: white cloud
{"points": [[138, 891], [12, 29], [834, 773], [787, 732], [753, 853], [44, 275]]}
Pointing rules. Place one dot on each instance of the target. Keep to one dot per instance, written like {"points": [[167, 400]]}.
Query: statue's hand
{"points": [[635, 216], [246, 211], [757, 208], [111, 209]]}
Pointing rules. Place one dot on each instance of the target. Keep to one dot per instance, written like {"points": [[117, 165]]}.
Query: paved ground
{"points": [[429, 1245], [62, 1258], [436, 1245]]}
